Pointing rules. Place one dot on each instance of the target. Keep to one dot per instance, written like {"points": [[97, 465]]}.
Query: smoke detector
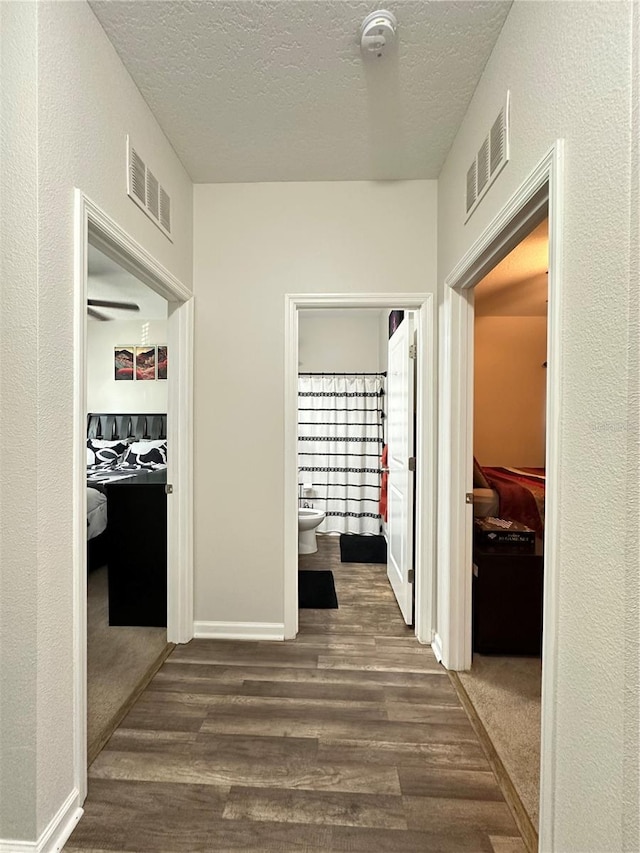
{"points": [[378, 32]]}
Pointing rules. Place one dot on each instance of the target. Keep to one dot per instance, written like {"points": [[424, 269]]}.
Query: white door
{"points": [[400, 456]]}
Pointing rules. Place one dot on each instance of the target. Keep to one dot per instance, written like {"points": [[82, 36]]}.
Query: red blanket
{"points": [[521, 497]]}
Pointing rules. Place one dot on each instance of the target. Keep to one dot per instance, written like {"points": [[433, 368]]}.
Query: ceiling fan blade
{"points": [[96, 314], [107, 303]]}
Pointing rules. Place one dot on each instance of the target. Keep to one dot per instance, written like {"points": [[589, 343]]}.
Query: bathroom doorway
{"points": [[342, 549], [342, 343]]}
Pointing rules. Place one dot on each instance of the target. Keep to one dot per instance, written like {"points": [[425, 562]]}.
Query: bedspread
{"points": [[521, 495]]}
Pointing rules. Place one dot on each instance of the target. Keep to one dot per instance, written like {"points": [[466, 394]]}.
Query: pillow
{"points": [[101, 452], [145, 454], [479, 480]]}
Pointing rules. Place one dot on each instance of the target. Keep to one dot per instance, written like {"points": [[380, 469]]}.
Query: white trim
{"points": [[423, 305], [238, 630], [57, 832], [552, 557], [107, 235], [180, 474], [543, 187]]}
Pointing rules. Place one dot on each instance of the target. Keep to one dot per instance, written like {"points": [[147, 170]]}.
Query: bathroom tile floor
{"points": [[349, 738]]}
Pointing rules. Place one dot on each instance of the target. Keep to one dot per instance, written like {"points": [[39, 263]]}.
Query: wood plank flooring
{"points": [[350, 738]]}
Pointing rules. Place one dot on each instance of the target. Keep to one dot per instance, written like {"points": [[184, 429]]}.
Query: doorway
{"points": [[422, 305], [93, 226], [126, 498], [344, 418], [509, 476], [540, 193]]}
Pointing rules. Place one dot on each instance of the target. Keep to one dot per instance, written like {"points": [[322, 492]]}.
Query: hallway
{"points": [[349, 738]]}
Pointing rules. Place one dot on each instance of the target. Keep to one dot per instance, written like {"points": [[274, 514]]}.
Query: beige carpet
{"points": [[505, 692], [117, 660]]}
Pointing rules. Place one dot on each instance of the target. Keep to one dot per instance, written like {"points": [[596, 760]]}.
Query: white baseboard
{"points": [[56, 834], [238, 631], [436, 645]]}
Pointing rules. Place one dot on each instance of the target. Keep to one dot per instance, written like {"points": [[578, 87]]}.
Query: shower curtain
{"points": [[340, 438]]}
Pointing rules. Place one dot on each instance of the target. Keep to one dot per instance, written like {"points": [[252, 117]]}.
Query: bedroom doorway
{"points": [[509, 449], [538, 197], [127, 404], [100, 241]]}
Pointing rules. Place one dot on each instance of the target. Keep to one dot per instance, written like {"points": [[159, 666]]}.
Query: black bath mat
{"points": [[362, 549], [316, 590]]}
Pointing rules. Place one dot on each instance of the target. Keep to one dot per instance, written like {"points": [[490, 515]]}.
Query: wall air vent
{"points": [[471, 185], [491, 158], [145, 190], [152, 194], [165, 210]]}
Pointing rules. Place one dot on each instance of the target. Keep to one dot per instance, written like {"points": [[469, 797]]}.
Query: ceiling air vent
{"points": [[145, 190], [492, 156]]}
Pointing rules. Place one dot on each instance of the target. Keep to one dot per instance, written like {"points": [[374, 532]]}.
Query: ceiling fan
{"points": [[92, 304]]}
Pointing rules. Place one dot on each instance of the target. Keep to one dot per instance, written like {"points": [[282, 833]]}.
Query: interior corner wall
{"points": [[568, 67], [253, 243], [509, 400], [104, 393], [73, 104]]}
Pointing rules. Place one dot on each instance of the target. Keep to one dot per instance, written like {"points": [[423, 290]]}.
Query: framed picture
{"points": [[123, 363], [162, 361], [145, 363]]}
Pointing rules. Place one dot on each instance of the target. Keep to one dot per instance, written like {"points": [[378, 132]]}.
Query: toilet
{"points": [[308, 520]]}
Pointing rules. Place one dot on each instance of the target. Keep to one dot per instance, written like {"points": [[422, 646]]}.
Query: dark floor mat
{"points": [[362, 549], [316, 590]]}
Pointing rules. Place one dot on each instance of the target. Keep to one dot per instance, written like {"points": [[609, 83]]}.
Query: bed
{"points": [[120, 447], [511, 493]]}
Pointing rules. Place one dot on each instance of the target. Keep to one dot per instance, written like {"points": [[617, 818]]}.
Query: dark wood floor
{"points": [[350, 738]]}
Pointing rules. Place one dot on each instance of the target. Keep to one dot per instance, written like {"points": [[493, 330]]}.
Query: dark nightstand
{"points": [[507, 600]]}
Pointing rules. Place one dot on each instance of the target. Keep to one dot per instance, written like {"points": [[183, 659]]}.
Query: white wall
{"points": [[568, 66], [253, 244], [339, 341], [510, 390], [61, 72], [104, 394], [18, 421]]}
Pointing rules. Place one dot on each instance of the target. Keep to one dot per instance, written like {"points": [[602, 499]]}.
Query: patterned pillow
{"points": [[145, 454], [101, 452]]}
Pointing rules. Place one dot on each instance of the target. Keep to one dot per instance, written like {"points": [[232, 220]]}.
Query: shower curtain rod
{"points": [[323, 373]]}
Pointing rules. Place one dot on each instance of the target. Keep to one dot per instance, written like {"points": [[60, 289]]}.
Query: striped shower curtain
{"points": [[340, 437]]}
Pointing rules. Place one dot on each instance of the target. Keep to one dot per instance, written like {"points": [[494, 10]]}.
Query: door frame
{"points": [[425, 485], [92, 224], [541, 191]]}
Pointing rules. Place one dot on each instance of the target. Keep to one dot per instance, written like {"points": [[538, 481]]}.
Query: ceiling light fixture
{"points": [[378, 32]]}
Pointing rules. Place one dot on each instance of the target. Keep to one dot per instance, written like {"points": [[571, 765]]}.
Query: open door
{"points": [[401, 461]]}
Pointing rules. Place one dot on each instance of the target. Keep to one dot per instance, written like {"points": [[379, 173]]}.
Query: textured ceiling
{"points": [[107, 280], [278, 91], [518, 285]]}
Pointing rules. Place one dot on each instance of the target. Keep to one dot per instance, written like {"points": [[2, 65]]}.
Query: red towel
{"points": [[383, 484]]}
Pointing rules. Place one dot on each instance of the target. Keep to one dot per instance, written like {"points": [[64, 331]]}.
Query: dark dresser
{"points": [[137, 548], [507, 600]]}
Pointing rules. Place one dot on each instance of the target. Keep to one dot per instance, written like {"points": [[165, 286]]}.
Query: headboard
{"points": [[112, 427]]}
